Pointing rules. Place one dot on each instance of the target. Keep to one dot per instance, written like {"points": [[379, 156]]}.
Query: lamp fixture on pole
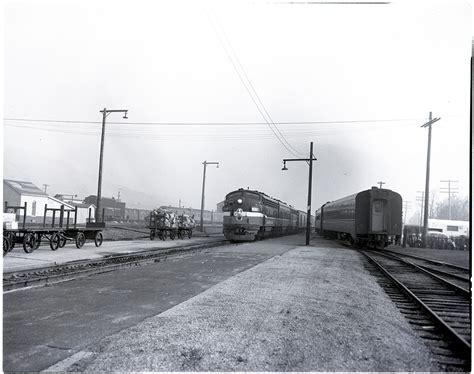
{"points": [[105, 113], [310, 163]]}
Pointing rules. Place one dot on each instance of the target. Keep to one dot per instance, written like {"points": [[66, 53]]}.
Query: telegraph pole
{"points": [[380, 184], [205, 163], [105, 113], [310, 163], [427, 183], [449, 190], [422, 200], [45, 187], [406, 206]]}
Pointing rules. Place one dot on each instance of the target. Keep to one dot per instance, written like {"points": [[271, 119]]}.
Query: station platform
{"points": [[17, 260]]}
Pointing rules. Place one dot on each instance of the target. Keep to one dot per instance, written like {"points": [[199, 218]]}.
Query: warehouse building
{"points": [[114, 210], [18, 193]]}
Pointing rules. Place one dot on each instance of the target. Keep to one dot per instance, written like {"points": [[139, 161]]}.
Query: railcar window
{"points": [[452, 228], [378, 208]]}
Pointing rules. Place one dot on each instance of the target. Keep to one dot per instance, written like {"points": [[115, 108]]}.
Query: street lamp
{"points": [[427, 184], [205, 163], [105, 113], [310, 163]]}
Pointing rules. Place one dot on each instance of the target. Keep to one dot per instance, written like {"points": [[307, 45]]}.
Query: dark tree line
{"points": [[459, 209]]}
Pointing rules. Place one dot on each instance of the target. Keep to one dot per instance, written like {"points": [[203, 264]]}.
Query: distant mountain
{"points": [[139, 199]]}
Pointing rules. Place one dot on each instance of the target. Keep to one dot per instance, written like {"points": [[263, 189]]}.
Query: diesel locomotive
{"points": [[371, 218], [253, 215]]}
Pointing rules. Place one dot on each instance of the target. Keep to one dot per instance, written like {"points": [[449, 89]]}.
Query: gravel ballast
{"points": [[311, 308]]}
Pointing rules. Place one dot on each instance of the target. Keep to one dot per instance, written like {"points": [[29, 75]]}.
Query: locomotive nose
{"points": [[238, 214]]}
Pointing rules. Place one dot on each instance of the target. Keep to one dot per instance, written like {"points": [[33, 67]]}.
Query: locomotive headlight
{"points": [[239, 201]]}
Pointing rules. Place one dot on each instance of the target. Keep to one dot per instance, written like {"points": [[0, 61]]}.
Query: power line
{"points": [[200, 133], [253, 89], [215, 123], [287, 146]]}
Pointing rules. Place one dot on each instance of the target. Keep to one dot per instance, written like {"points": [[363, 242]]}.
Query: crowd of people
{"points": [[412, 237]]}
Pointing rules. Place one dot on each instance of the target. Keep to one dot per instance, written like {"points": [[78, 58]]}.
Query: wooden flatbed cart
{"points": [[56, 236], [162, 227]]}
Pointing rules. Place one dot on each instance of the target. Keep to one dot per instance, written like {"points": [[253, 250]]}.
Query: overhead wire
{"points": [[247, 89], [220, 123], [254, 91], [178, 133]]}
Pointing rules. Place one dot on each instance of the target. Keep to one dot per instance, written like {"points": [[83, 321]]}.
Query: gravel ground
{"points": [[456, 257], [297, 312]]}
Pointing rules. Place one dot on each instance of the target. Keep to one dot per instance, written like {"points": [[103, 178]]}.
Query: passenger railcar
{"points": [[369, 218], [253, 215]]}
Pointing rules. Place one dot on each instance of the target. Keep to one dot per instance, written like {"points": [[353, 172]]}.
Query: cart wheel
{"points": [[12, 240], [54, 241], [190, 233], [62, 241], [6, 246], [99, 238], [180, 234], [29, 242], [80, 239], [152, 234], [37, 240], [172, 235]]}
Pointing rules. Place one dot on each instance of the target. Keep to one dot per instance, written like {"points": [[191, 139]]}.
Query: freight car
{"points": [[253, 215], [370, 218]]}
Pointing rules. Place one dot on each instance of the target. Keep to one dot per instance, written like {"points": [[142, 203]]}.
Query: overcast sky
{"points": [[238, 67]]}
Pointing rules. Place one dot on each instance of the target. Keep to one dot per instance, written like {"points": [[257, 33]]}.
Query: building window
{"points": [[33, 209]]}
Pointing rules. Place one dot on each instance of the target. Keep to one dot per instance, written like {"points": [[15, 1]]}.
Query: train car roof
{"points": [[354, 196], [265, 196]]}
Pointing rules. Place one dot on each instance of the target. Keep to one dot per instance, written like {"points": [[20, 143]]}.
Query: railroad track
{"points": [[459, 275], [437, 308], [59, 273]]}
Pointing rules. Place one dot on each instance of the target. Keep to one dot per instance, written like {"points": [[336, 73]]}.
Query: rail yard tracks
{"points": [[53, 274], [435, 299]]}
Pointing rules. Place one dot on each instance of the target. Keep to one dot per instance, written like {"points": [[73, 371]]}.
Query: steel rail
{"points": [[437, 262], [457, 339], [76, 269], [437, 277], [456, 276]]}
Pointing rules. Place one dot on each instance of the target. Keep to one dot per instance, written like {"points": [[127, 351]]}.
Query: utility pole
{"points": [[105, 113], [422, 200], [205, 163], [406, 206], [45, 187], [427, 184], [310, 163], [380, 184], [449, 190]]}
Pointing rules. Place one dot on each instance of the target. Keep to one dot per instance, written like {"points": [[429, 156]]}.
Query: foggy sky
{"points": [[164, 62]]}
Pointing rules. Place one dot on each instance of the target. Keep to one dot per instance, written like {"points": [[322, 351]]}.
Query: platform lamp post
{"points": [[205, 163], [427, 183], [105, 113], [310, 163]]}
